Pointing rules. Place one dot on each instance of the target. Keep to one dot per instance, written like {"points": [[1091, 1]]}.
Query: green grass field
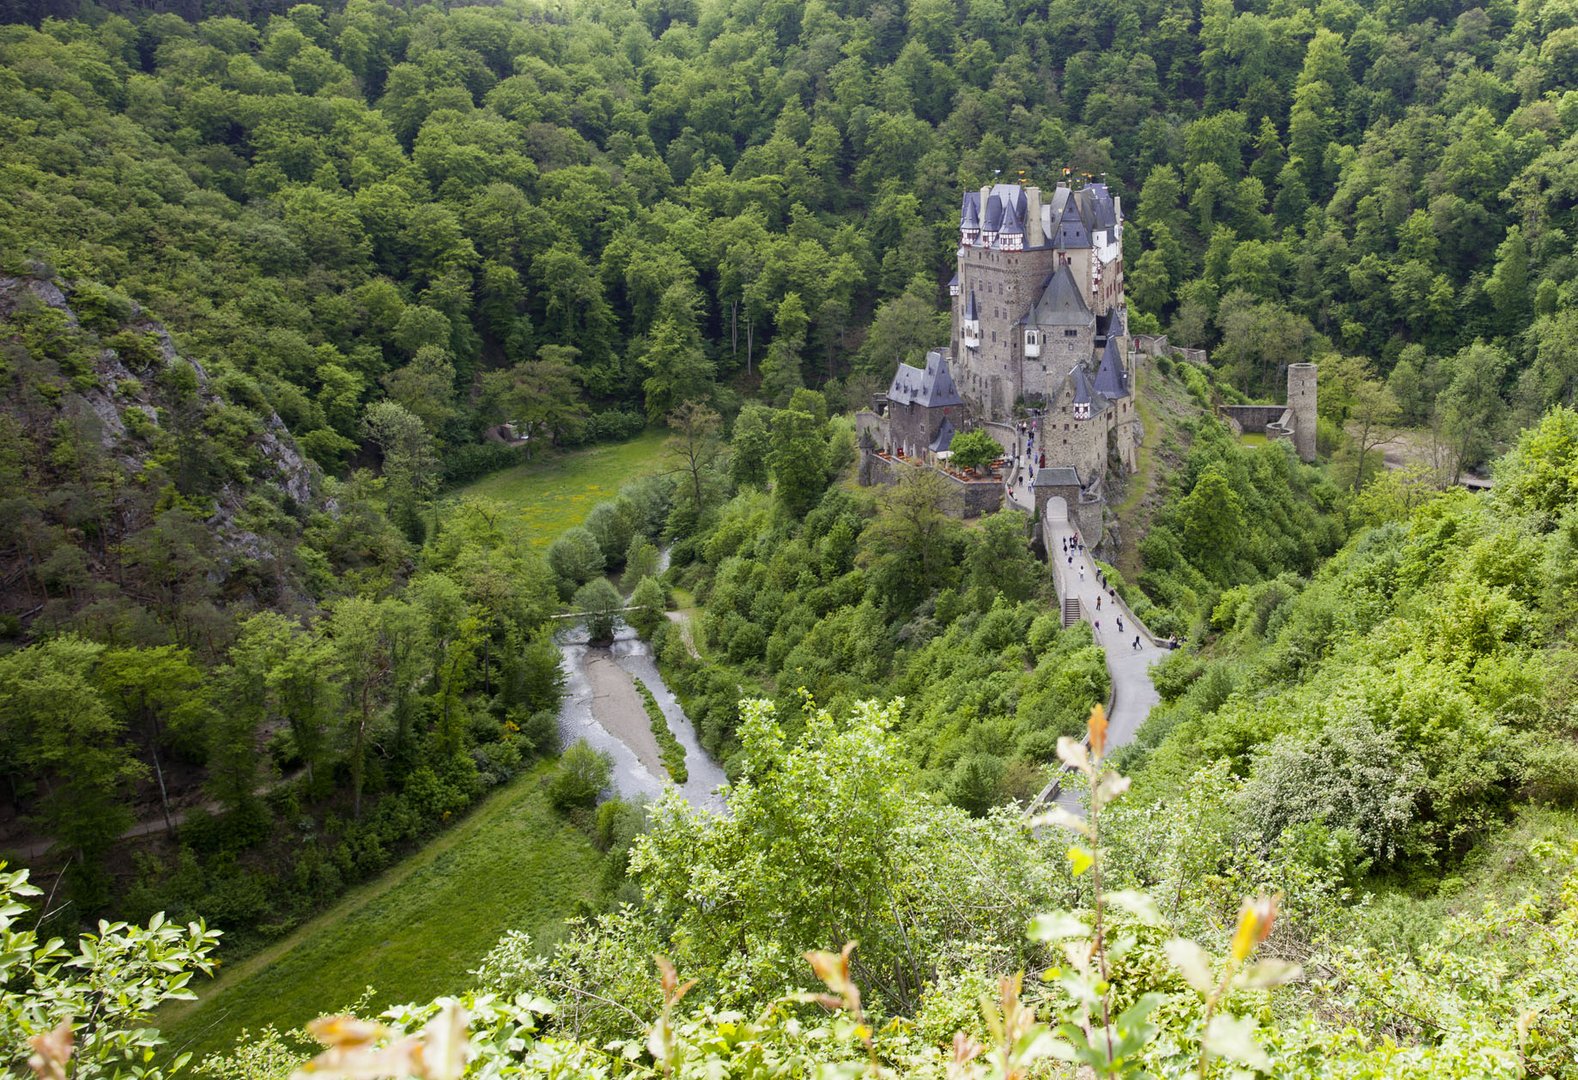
{"points": [[413, 933], [558, 492]]}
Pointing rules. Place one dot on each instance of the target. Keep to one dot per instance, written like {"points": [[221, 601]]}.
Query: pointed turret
{"points": [[1112, 379]]}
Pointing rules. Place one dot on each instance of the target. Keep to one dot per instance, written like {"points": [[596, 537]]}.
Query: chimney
{"points": [[1034, 234]]}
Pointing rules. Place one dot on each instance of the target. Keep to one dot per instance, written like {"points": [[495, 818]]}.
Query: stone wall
{"points": [[977, 497], [966, 498], [1252, 418]]}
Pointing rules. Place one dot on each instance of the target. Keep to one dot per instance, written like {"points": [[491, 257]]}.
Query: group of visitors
{"points": [[1074, 546]]}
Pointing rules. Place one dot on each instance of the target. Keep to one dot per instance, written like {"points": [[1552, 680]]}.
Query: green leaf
{"points": [[1056, 926], [1233, 1037], [1192, 963]]}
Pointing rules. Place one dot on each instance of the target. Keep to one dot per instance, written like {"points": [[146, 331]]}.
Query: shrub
{"points": [[975, 449], [473, 460], [650, 603], [601, 603], [580, 777], [673, 753]]}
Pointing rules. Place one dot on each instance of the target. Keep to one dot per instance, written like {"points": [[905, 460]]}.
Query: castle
{"points": [[1039, 354]]}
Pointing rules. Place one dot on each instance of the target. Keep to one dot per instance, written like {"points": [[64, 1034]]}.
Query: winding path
{"points": [[1133, 694]]}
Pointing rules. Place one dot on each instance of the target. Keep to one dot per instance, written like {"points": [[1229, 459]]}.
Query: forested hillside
{"points": [[343, 205], [272, 275]]}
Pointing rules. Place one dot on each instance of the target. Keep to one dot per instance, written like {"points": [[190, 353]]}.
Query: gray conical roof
{"points": [[1112, 381], [1071, 230], [1061, 303], [970, 215], [1011, 224]]}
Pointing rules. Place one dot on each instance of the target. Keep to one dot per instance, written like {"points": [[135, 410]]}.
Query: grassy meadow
{"points": [[557, 492], [414, 932]]}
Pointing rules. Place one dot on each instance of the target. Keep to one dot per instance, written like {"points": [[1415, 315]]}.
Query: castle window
{"points": [[1071, 333]]}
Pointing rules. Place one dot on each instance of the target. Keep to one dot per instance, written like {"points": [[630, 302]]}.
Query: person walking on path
{"points": [[1136, 641], [1081, 571], [1098, 603]]}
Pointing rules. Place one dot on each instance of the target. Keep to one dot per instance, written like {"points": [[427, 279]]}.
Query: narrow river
{"points": [[601, 707]]}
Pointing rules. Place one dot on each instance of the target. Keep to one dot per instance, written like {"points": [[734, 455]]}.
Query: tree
{"points": [[798, 461], [59, 730], [410, 466], [902, 330], [599, 602], [1371, 415], [581, 776], [650, 605], [161, 693], [750, 445], [781, 374], [999, 559], [1210, 519], [361, 651], [575, 558], [641, 562], [1470, 410], [540, 397], [975, 449], [677, 367], [694, 447], [426, 387], [911, 543]]}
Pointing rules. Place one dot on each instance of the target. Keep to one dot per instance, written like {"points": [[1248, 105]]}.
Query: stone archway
{"points": [[1057, 510]]}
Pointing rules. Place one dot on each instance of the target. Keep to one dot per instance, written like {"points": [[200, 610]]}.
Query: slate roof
{"points": [[971, 313], [1085, 392], [953, 282], [1112, 381], [970, 214], [944, 437], [1061, 303], [1000, 197], [1056, 476], [1011, 223], [930, 387], [1100, 211], [1071, 230]]}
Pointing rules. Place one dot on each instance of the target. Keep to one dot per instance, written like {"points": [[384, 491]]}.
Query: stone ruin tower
{"points": [[1301, 403]]}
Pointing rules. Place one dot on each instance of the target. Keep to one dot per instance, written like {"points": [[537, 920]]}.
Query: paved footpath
{"points": [[1133, 694]]}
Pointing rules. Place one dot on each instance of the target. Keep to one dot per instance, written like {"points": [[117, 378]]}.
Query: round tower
{"points": [[1301, 403]]}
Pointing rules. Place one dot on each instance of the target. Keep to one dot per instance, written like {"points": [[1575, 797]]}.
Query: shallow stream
{"points": [[602, 707]]}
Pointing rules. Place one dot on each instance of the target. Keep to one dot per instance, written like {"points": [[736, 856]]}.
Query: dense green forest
{"points": [[272, 275]]}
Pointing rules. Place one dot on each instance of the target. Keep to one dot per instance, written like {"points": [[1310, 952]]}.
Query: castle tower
{"points": [[1301, 403]]}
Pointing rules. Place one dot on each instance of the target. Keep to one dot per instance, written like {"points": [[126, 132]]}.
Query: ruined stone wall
{"points": [[1252, 418]]}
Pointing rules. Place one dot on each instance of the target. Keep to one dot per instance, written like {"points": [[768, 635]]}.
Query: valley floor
{"points": [[413, 933], [556, 493]]}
